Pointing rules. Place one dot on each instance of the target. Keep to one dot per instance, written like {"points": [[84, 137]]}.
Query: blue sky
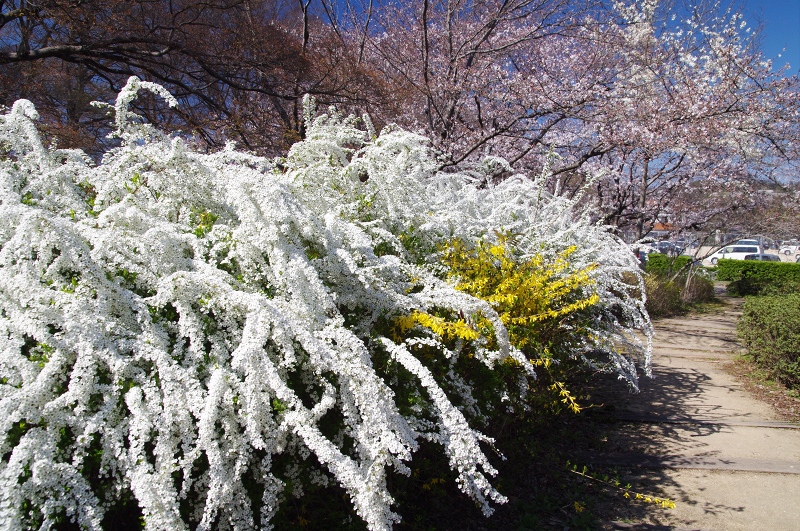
{"points": [[781, 29]]}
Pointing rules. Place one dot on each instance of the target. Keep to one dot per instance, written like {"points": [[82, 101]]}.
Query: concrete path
{"points": [[697, 437]]}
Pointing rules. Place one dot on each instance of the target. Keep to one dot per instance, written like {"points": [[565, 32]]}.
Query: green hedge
{"points": [[770, 330], [753, 277], [662, 264]]}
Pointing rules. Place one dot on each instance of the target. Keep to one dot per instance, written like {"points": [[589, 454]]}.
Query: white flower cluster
{"points": [[179, 327]]}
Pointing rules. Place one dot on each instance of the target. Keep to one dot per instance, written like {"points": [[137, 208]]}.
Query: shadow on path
{"points": [[694, 435]]}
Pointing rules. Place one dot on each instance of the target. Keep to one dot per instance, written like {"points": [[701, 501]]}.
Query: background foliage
{"points": [[770, 331], [665, 265], [672, 285], [753, 277]]}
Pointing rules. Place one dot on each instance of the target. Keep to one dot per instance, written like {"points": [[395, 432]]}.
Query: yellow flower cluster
{"points": [[566, 398], [525, 293], [665, 503], [440, 326], [537, 298], [528, 293]]}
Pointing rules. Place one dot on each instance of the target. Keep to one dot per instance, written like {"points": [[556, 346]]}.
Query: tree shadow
{"points": [[635, 434], [556, 478]]}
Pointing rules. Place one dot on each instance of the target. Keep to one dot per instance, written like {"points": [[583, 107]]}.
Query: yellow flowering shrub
{"points": [[540, 300], [533, 296]]}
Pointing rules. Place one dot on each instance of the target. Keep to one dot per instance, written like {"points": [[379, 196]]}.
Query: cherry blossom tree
{"points": [[694, 105], [650, 100], [483, 76], [635, 96], [239, 67]]}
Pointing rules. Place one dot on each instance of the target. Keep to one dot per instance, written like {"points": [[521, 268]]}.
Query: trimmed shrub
{"points": [[753, 277], [770, 330], [782, 288], [661, 264]]}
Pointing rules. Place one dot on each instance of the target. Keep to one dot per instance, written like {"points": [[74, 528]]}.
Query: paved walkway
{"points": [[696, 436]]}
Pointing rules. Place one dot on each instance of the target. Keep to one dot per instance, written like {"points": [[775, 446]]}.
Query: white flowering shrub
{"points": [[208, 334]]}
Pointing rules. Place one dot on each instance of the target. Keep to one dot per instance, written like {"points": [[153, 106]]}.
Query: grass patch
{"points": [[757, 381], [713, 306]]}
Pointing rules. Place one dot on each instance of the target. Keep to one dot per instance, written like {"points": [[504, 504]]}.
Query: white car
{"points": [[789, 248], [649, 247], [733, 252]]}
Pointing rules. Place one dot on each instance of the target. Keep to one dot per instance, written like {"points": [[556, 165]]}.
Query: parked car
{"points": [[667, 248], [734, 252], [686, 244], [748, 242], [791, 247], [763, 257], [641, 254]]}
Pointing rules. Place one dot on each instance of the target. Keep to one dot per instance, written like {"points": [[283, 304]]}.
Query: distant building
{"points": [[661, 230]]}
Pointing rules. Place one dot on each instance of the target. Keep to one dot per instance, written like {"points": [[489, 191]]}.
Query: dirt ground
{"points": [[703, 437]]}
